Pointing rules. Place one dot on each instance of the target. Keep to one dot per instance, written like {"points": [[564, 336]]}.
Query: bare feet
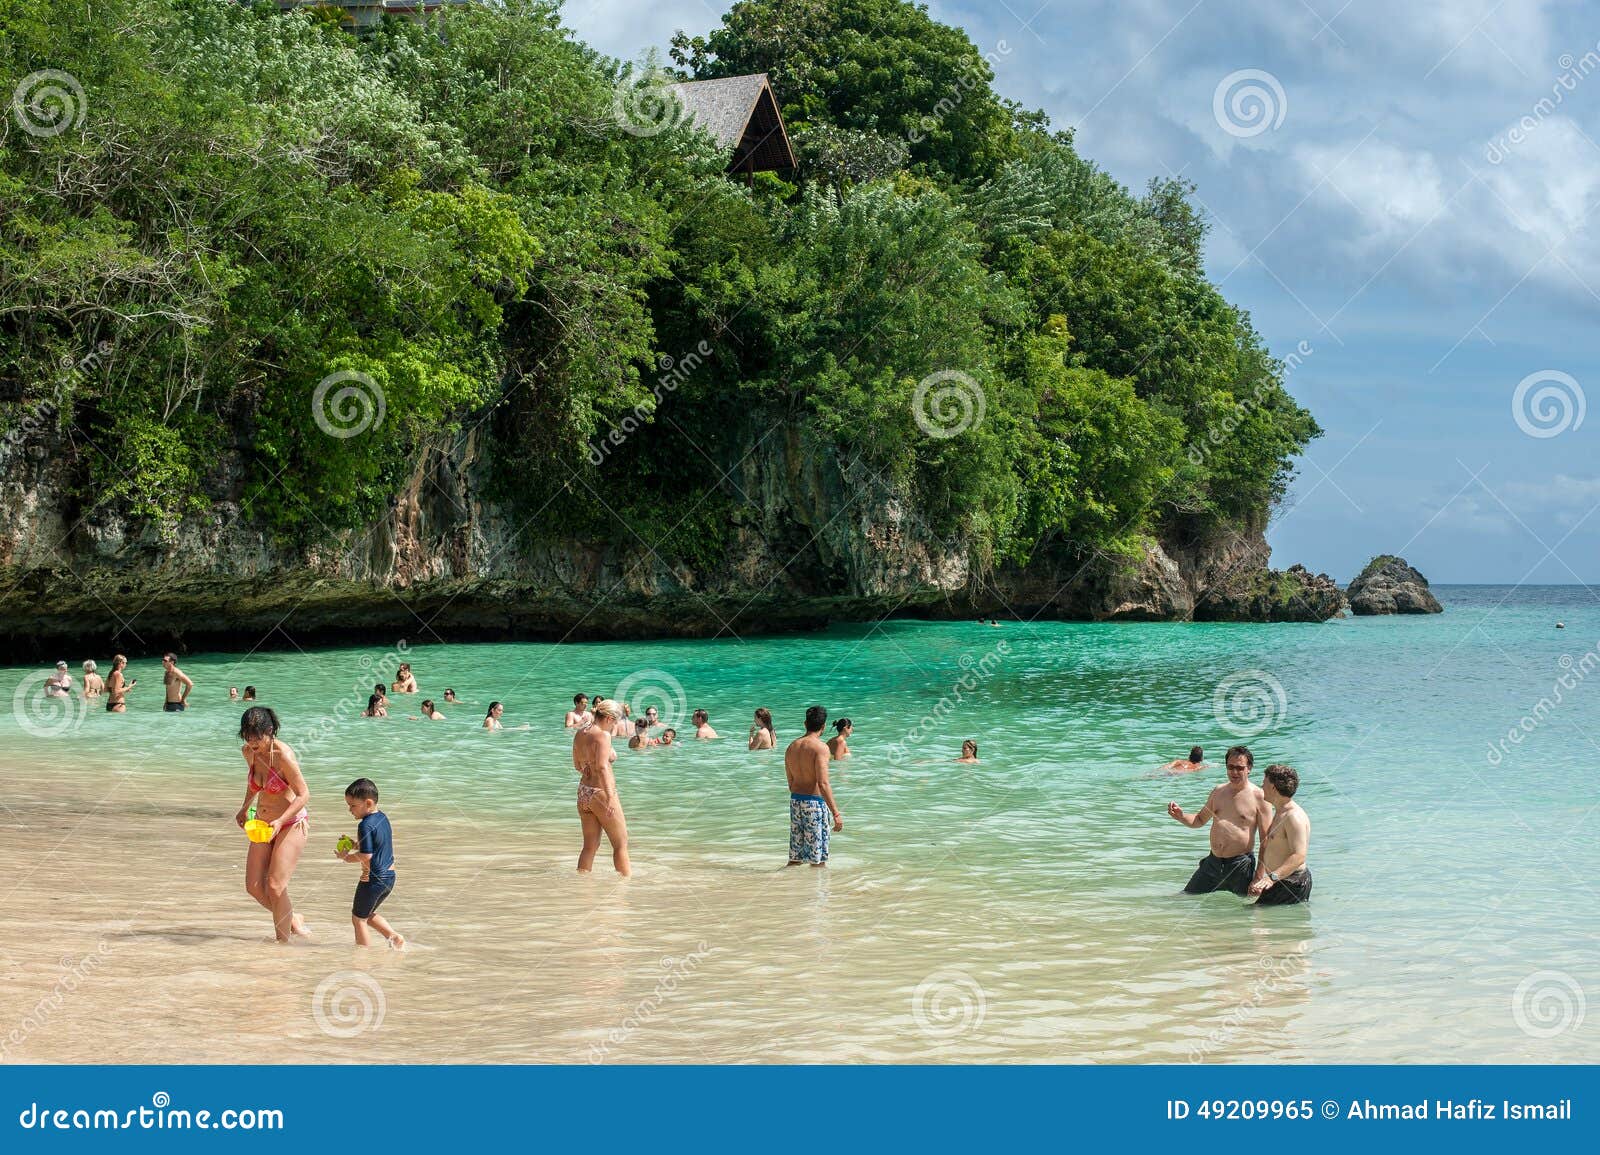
{"points": [[297, 925], [397, 941]]}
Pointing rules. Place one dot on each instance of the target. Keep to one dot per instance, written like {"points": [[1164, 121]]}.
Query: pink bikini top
{"points": [[275, 783]]}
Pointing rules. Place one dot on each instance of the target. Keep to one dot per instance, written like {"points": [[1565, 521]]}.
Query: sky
{"points": [[1401, 194]]}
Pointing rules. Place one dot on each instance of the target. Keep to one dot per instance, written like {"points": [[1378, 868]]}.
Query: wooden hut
{"points": [[740, 114]]}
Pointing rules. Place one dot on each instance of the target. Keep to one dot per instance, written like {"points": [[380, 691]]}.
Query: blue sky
{"points": [[1373, 205]]}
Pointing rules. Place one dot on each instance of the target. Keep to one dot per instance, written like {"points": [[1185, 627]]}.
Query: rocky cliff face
{"points": [[1389, 586], [812, 539]]}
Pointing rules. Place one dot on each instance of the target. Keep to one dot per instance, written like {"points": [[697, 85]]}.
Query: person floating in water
{"points": [[374, 853], [450, 698], [1285, 877], [1236, 810], [969, 751], [178, 685], [839, 744], [811, 803], [578, 717], [599, 806], [762, 735], [274, 781], [702, 726], [404, 681], [1195, 761]]}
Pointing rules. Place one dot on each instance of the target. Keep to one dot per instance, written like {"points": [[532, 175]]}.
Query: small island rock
{"points": [[1389, 586]]}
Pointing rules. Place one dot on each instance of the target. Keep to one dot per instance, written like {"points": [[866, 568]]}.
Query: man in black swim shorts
{"points": [[1285, 878], [1237, 810]]}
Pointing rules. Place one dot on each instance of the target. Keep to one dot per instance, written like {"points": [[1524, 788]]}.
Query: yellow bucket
{"points": [[258, 831]]}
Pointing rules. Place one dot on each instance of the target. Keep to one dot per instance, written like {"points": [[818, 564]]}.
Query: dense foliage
{"points": [[224, 206]]}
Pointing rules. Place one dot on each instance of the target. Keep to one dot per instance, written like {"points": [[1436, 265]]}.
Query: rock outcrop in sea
{"points": [[1389, 586]]}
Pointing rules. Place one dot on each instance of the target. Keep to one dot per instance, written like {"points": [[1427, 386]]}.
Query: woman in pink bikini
{"points": [[599, 807], [273, 779]]}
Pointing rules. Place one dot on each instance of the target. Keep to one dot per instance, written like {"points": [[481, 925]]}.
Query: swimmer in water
{"points": [[491, 720], [599, 805], [668, 736], [839, 744], [429, 712], [702, 726], [375, 708], [641, 736], [578, 717], [652, 719], [450, 698], [233, 693], [118, 685], [969, 751], [1195, 761], [93, 684], [404, 681], [762, 735], [381, 692], [273, 780], [249, 693]]}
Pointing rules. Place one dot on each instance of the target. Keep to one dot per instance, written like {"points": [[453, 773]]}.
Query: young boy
{"points": [[375, 852]]}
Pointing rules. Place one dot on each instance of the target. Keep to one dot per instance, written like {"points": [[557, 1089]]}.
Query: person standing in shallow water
{"points": [[118, 685], [762, 735], [1236, 810], [1284, 877], [811, 804], [178, 685], [599, 805], [839, 744], [273, 779]]}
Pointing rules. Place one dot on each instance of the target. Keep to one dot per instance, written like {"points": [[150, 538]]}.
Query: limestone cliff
{"points": [[812, 539]]}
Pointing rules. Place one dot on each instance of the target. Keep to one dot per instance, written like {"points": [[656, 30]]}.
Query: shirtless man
{"points": [[1195, 761], [1239, 810], [578, 717], [702, 726], [805, 763], [405, 682], [1285, 877], [178, 685]]}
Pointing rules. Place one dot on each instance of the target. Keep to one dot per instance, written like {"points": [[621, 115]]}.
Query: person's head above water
{"points": [[1281, 782], [651, 713], [1196, 754], [495, 710], [580, 700], [249, 693], [258, 724], [427, 705], [701, 718], [969, 749], [449, 694], [844, 724], [380, 690], [374, 704], [764, 717], [668, 736], [605, 708], [90, 668], [640, 726], [816, 719]]}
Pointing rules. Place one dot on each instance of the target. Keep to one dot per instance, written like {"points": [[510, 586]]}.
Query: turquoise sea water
{"points": [[1024, 908]]}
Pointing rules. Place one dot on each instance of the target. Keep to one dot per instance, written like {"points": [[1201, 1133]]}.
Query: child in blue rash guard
{"points": [[374, 850]]}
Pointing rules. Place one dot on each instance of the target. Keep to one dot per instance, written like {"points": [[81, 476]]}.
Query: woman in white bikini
{"points": [[599, 806], [273, 779]]}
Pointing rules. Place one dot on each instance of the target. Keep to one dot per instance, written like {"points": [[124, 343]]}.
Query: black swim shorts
{"points": [[175, 707], [1233, 874], [1290, 888], [369, 897]]}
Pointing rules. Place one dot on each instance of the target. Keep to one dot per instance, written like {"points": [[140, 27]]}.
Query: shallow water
{"points": [[1025, 909]]}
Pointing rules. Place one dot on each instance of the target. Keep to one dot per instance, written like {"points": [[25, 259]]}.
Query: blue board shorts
{"points": [[809, 823]]}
